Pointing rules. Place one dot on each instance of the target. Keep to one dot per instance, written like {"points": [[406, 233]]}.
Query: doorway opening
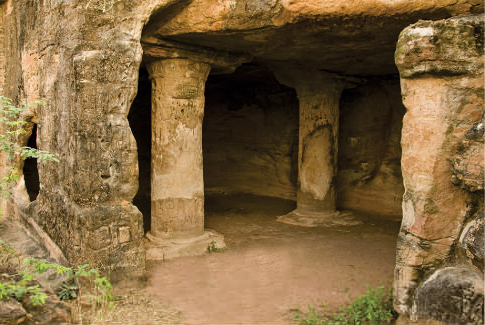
{"points": [[140, 124], [250, 143]]}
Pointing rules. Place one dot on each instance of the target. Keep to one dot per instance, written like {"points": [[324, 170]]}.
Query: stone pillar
{"points": [[177, 198], [441, 70], [319, 95]]}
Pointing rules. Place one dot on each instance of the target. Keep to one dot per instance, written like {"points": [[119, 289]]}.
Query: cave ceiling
{"points": [[345, 41]]}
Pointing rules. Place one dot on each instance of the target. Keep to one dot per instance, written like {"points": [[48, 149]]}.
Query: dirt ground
{"points": [[269, 269]]}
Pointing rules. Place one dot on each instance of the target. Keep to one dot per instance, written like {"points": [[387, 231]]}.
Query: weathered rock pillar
{"points": [[438, 278], [177, 198], [319, 95]]}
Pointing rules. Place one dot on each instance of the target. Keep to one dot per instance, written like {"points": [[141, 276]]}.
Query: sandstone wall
{"points": [[82, 58], [369, 171], [439, 270], [250, 135]]}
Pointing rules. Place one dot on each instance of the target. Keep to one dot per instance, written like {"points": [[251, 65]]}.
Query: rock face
{"points": [[301, 102], [250, 134], [472, 239], [452, 295], [369, 168], [441, 68], [84, 64], [12, 312]]}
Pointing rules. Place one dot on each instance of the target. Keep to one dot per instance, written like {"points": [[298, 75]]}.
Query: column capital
{"points": [[178, 67], [309, 81]]}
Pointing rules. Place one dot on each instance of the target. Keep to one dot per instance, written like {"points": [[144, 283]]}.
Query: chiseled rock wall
{"points": [[83, 61], [369, 167], [250, 135], [439, 270]]}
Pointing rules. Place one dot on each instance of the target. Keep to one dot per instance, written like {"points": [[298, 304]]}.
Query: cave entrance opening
{"points": [[250, 144]]}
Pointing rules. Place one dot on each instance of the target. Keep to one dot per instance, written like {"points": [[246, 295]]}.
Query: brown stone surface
{"points": [[319, 96], [452, 295], [84, 59], [472, 239], [441, 67], [11, 312], [84, 64], [177, 180], [250, 134], [369, 167], [468, 162], [355, 37], [52, 312]]}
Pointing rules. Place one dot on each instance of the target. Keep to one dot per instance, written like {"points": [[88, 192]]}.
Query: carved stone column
{"points": [[319, 95], [177, 198]]}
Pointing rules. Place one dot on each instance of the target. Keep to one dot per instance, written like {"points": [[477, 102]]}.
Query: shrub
{"points": [[374, 307]]}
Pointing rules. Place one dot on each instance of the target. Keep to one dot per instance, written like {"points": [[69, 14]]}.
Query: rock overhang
{"points": [[357, 38]]}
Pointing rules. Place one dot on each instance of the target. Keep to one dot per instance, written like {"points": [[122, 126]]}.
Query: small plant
{"points": [[212, 248], [12, 127], [374, 307], [97, 289], [68, 291], [310, 317], [25, 286], [102, 291]]}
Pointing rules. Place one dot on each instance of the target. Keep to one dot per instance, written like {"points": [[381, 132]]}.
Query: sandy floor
{"points": [[270, 269]]}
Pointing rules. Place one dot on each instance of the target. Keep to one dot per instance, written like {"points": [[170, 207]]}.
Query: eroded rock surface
{"points": [[468, 162], [11, 312], [452, 295], [441, 67], [369, 167], [472, 239]]}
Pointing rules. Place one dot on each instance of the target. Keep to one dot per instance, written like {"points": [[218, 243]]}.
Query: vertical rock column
{"points": [[319, 96], [441, 69], [177, 198]]}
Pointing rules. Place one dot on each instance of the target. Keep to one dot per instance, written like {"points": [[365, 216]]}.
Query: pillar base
{"points": [[163, 249], [304, 218]]}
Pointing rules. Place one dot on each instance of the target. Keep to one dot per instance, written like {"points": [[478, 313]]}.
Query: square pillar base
{"points": [[303, 218], [163, 249]]}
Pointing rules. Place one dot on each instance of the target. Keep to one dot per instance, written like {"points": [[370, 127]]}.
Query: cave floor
{"points": [[270, 269], [267, 272]]}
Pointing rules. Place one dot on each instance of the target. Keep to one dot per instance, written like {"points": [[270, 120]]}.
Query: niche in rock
{"points": [[30, 171]]}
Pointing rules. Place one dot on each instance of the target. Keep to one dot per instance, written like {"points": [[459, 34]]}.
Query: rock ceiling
{"points": [[350, 38]]}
